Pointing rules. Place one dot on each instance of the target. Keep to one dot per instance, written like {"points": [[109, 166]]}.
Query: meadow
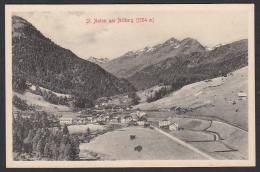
{"points": [[155, 146]]}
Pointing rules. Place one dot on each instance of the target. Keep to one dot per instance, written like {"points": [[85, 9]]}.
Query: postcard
{"points": [[130, 85]]}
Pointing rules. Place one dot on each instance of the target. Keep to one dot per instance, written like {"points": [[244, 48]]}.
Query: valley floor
{"points": [[155, 146]]}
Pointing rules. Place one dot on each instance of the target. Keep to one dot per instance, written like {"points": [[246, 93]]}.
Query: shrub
{"points": [[19, 103]]}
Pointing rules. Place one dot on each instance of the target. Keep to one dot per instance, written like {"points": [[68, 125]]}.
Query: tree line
{"points": [[36, 137]]}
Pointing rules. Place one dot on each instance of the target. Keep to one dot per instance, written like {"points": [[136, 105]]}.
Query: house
{"points": [[108, 117], [164, 123], [141, 121], [141, 114], [134, 116], [242, 96], [175, 109], [102, 118], [26, 116], [89, 117], [126, 119], [171, 109], [208, 80], [67, 121], [105, 118], [118, 109], [178, 109], [104, 104], [113, 119], [79, 121], [94, 120], [174, 127]]}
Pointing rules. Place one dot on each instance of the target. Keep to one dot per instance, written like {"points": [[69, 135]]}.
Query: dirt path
{"points": [[184, 144]]}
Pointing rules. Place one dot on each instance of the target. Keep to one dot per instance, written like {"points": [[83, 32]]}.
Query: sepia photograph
{"points": [[130, 85]]}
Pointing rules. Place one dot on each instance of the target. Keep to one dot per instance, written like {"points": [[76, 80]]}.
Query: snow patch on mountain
{"points": [[98, 60], [213, 48]]}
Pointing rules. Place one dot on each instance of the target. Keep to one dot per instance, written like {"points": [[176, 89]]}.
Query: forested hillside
{"points": [[40, 61]]}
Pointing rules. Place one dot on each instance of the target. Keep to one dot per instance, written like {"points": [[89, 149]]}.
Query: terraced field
{"points": [[232, 142]]}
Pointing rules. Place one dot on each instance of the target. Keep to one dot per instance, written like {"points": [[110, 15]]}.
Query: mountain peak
{"points": [[192, 44], [98, 60], [172, 39], [22, 28], [188, 38]]}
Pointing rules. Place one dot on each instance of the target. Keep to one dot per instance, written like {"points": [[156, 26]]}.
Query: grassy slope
{"points": [[210, 98], [41, 103]]}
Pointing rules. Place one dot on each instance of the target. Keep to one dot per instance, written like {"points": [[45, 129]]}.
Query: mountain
{"points": [[48, 65], [135, 61], [187, 68], [98, 61], [213, 48]]}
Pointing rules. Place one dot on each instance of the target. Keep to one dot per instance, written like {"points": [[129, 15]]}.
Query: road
{"points": [[184, 143]]}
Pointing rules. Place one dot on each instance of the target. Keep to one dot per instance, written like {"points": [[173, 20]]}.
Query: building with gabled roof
{"points": [[126, 118], [242, 96], [174, 127], [141, 121], [164, 123]]}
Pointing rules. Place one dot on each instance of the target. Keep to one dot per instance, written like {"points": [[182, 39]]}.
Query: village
{"points": [[104, 114]]}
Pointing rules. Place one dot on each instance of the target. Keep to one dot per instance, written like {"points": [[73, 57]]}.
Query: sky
{"points": [[111, 40]]}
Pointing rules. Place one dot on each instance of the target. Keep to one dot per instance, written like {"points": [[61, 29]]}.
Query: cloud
{"points": [[111, 40]]}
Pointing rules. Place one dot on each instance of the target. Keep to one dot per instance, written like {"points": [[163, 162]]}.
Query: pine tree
{"points": [[68, 152], [62, 148], [88, 132], [40, 148], [29, 138], [75, 147], [47, 150], [65, 130], [55, 152]]}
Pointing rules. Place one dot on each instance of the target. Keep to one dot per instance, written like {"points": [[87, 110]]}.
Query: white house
{"points": [[174, 126], [67, 121], [242, 96], [164, 123], [126, 119]]}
